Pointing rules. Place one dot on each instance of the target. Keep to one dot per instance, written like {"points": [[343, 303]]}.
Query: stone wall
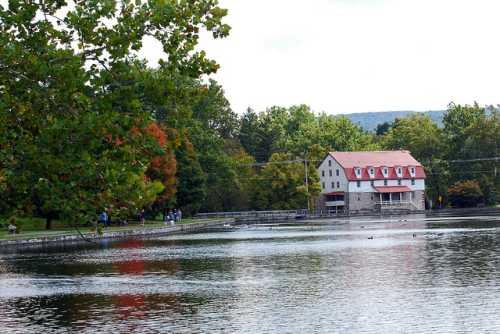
{"points": [[419, 199], [362, 201], [139, 232]]}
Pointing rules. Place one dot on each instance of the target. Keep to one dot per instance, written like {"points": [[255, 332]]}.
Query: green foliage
{"points": [[417, 134], [465, 194], [191, 180], [281, 186], [456, 121], [472, 134], [296, 129], [382, 128], [76, 108], [489, 189]]}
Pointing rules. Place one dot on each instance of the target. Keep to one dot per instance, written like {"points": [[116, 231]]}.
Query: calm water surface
{"points": [[319, 277]]}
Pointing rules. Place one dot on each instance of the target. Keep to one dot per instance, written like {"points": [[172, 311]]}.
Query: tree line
{"points": [[86, 124]]}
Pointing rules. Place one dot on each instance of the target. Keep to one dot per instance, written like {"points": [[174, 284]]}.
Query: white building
{"points": [[371, 181]]}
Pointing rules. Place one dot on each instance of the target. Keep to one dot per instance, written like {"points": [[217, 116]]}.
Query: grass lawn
{"points": [[35, 228]]}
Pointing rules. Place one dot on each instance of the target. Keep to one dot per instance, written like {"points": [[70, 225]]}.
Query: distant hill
{"points": [[370, 120]]}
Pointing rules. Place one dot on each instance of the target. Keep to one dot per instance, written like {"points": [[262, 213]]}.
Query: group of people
{"points": [[172, 217], [168, 217]]}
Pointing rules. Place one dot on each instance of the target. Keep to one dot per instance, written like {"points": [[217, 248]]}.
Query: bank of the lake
{"points": [[31, 238]]}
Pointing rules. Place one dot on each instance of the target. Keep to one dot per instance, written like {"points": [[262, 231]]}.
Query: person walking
{"points": [[179, 215], [142, 217], [165, 217], [103, 218]]}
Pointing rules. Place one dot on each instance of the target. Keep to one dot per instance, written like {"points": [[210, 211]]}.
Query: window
{"points": [[399, 170], [372, 183], [333, 184], [412, 171], [330, 172], [337, 172], [372, 171], [323, 185], [385, 171], [338, 184], [412, 182], [399, 182], [385, 182], [323, 173], [329, 163], [358, 183]]}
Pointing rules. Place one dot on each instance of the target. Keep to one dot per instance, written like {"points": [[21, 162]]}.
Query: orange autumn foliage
{"points": [[156, 132], [163, 168]]}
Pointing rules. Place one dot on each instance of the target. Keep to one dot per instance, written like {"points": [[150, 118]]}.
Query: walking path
{"points": [[123, 232]]}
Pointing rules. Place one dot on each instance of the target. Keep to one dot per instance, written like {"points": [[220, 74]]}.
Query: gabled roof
{"points": [[374, 159], [378, 159]]}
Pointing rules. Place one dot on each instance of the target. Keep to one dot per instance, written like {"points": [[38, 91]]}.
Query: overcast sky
{"points": [[342, 56]]}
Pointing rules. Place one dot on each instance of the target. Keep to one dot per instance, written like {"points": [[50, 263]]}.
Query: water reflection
{"points": [[417, 275]]}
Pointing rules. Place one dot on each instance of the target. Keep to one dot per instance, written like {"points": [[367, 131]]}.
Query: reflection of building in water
{"points": [[371, 181]]}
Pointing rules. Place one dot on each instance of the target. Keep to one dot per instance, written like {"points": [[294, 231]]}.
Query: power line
{"points": [[474, 160]]}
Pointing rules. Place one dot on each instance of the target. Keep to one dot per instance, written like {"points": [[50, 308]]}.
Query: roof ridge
{"points": [[379, 151]]}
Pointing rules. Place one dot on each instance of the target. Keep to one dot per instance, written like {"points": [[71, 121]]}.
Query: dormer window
{"points": [[371, 171], [357, 170], [412, 171], [399, 171], [385, 171]]}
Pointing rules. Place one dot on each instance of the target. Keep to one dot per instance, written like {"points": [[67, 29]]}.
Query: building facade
{"points": [[371, 181]]}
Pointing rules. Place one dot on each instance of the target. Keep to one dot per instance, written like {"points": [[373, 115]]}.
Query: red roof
{"points": [[378, 160], [374, 159], [392, 189]]}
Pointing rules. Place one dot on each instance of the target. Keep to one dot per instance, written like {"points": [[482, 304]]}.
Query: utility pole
{"points": [[307, 182]]}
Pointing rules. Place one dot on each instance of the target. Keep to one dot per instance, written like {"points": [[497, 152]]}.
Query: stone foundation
{"points": [[364, 201]]}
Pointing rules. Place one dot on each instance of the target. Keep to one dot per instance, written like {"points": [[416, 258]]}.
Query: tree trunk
{"points": [[48, 223]]}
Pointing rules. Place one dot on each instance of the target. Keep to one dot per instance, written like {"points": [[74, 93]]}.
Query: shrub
{"points": [[465, 194]]}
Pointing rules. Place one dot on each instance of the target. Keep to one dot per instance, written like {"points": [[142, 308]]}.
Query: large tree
{"points": [[281, 184], [457, 119], [418, 134], [74, 110]]}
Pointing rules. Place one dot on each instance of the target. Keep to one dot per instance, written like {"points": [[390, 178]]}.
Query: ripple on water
{"points": [[291, 279]]}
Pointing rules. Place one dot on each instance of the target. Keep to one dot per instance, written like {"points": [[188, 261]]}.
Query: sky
{"points": [[343, 56]]}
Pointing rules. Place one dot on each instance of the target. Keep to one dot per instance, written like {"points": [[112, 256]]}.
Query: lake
{"points": [[409, 274]]}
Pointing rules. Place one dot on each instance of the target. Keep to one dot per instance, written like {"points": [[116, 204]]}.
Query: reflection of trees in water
{"points": [[128, 311], [463, 258], [57, 311]]}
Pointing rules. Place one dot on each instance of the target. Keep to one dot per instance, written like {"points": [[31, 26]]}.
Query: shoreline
{"points": [[139, 232], [143, 232]]}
